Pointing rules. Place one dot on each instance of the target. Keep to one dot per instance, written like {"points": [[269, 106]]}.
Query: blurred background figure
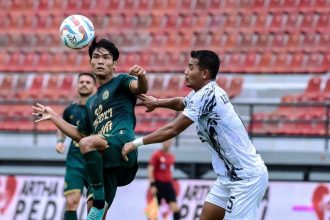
{"points": [[160, 175], [75, 174]]}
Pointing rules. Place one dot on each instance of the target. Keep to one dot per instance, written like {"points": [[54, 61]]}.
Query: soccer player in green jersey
{"points": [[105, 126], [75, 174]]}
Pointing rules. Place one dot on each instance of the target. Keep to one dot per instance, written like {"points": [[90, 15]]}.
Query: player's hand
{"points": [[136, 70], [147, 101], [43, 112], [60, 148], [128, 147]]}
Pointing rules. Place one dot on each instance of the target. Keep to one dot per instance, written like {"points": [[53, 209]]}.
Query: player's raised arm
{"points": [[151, 103], [46, 113], [141, 85]]}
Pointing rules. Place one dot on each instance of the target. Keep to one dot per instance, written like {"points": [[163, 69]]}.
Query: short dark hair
{"points": [[87, 74], [106, 44], [207, 59]]}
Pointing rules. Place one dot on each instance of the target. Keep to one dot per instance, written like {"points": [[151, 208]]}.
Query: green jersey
{"points": [[72, 115], [110, 110]]}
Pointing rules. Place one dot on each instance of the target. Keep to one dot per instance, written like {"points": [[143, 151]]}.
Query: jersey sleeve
{"points": [[66, 114], [194, 104], [187, 98], [84, 125], [127, 80]]}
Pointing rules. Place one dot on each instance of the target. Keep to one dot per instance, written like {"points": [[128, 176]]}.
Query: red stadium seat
{"points": [[312, 91], [235, 87], [157, 88], [186, 5], [34, 91], [323, 22], [326, 91], [65, 87], [6, 87], [308, 19], [324, 42], [222, 82], [202, 40], [15, 62], [316, 63], [174, 86], [51, 89], [20, 87], [294, 41], [144, 5]]}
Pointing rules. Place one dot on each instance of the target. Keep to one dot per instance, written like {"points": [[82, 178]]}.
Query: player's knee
{"points": [[174, 207], [72, 202], [86, 144]]}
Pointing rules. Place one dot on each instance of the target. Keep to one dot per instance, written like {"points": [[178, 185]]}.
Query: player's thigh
{"points": [[92, 142], [245, 198], [215, 202], [211, 211]]}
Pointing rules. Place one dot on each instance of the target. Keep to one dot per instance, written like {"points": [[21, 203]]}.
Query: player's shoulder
{"points": [[123, 76], [71, 106]]}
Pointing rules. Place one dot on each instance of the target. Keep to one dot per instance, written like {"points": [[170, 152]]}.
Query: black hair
{"points": [[87, 74], [207, 59], [106, 44]]}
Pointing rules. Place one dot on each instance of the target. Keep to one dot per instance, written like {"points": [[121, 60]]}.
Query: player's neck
{"points": [[102, 81], [202, 85], [82, 100]]}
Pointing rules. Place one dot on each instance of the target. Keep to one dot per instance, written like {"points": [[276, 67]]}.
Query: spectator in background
{"points": [[75, 174], [160, 176]]}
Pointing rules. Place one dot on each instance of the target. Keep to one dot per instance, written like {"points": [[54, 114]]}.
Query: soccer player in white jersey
{"points": [[242, 174]]}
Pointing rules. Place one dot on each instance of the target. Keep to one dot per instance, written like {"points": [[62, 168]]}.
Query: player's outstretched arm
{"points": [[46, 113], [141, 85], [151, 103], [166, 132]]}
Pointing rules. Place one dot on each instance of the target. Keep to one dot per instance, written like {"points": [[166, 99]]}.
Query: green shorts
{"points": [[75, 180]]}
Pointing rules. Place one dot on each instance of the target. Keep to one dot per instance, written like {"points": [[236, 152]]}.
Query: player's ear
{"points": [[115, 63], [205, 73]]}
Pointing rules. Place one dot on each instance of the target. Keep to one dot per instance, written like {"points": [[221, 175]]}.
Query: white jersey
{"points": [[218, 124]]}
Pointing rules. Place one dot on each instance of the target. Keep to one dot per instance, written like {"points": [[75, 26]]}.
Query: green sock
{"points": [[70, 215], [94, 169]]}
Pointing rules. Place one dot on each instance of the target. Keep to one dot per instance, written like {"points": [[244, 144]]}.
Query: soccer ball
{"points": [[76, 31]]}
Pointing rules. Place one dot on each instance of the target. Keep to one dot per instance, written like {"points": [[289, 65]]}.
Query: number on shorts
{"points": [[230, 204]]}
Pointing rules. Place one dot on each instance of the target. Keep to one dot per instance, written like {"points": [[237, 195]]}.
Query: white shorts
{"points": [[241, 199]]}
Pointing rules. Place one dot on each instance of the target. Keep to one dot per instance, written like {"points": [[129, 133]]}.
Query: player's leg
{"points": [[90, 147], [72, 202], [90, 206], [168, 192], [73, 187], [212, 212], [215, 202]]}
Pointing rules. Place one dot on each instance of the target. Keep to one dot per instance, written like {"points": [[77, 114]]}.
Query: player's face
{"points": [[102, 63], [194, 76], [85, 85]]}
